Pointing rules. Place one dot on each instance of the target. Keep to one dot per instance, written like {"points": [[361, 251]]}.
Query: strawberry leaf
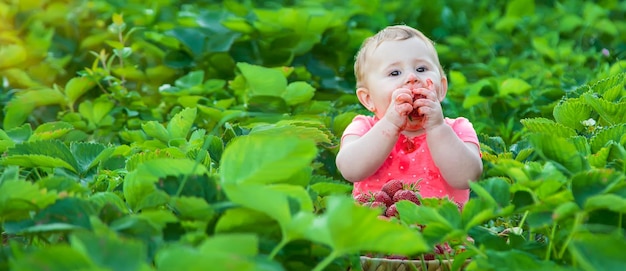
{"points": [[267, 159], [348, 228]]}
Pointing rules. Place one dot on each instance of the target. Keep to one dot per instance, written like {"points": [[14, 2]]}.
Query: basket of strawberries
{"points": [[440, 258]]}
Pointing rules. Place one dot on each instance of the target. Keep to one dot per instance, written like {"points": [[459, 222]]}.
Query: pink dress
{"points": [[410, 161]]}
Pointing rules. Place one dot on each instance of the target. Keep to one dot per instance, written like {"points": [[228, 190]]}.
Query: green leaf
{"points": [[512, 260], [53, 258], [22, 105], [12, 55], [514, 86], [598, 251], [88, 155], [140, 183], [267, 159], [51, 130], [590, 183], [611, 113], [565, 210], [601, 139], [348, 228], [559, 150], [543, 125], [52, 153], [328, 188], [18, 198], [571, 113], [610, 202], [274, 201], [298, 92], [156, 130], [263, 81], [110, 252], [96, 110], [192, 208], [288, 130], [76, 87], [520, 8], [180, 125], [66, 214]]}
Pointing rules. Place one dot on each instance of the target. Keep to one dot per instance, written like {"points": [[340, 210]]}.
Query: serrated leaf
{"points": [[42, 153], [543, 125], [571, 113], [51, 130], [267, 159], [156, 130], [560, 151], [89, 155], [611, 113], [614, 133], [180, 125]]}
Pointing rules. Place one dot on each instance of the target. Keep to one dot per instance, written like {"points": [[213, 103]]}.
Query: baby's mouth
{"points": [[415, 113]]}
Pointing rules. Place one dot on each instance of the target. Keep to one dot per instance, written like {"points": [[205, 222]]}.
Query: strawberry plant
{"points": [[192, 135]]}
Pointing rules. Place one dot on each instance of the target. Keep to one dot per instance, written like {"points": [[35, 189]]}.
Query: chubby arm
{"points": [[360, 156], [459, 162]]}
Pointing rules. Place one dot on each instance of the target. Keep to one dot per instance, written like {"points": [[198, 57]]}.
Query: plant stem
{"points": [[521, 223], [329, 259], [577, 222], [276, 249], [550, 242]]}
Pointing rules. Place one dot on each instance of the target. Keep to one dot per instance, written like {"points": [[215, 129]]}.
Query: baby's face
{"points": [[396, 64]]}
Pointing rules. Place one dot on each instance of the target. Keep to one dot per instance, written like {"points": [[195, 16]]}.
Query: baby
{"points": [[400, 80]]}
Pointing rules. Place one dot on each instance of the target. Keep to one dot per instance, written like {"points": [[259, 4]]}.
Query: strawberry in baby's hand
{"points": [[415, 114]]}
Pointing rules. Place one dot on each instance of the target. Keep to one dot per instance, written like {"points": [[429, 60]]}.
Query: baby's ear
{"points": [[441, 92], [366, 100]]}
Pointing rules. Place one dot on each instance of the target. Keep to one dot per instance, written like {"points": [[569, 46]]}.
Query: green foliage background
{"points": [[167, 129]]}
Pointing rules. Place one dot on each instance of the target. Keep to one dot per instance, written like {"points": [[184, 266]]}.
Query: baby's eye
{"points": [[394, 73], [421, 69]]}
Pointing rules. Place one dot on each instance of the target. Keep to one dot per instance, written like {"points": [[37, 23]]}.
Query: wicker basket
{"points": [[383, 264]]}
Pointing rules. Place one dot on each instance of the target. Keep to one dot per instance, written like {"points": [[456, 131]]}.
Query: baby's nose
{"points": [[412, 79]]}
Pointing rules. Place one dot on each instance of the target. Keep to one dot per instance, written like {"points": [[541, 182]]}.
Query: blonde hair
{"points": [[390, 33]]}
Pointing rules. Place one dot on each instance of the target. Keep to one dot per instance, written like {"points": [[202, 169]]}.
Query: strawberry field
{"points": [[201, 135]]}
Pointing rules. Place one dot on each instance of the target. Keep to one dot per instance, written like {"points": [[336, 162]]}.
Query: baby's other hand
{"points": [[399, 108]]}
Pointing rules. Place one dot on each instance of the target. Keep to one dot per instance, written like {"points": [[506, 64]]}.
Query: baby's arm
{"points": [[459, 162], [360, 156]]}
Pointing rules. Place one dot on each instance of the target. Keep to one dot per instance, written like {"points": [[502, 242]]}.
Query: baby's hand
{"points": [[399, 108], [428, 106]]}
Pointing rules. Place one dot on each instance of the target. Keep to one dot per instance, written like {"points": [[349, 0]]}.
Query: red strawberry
{"points": [[391, 187], [406, 195], [363, 198], [383, 197], [391, 211]]}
